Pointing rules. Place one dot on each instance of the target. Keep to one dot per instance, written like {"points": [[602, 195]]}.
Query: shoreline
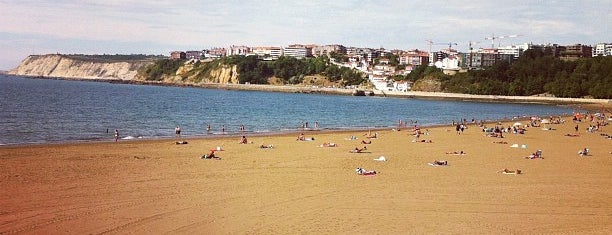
{"points": [[592, 103], [236, 135]]}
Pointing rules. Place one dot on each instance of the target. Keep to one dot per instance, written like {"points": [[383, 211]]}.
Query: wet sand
{"points": [[157, 186]]}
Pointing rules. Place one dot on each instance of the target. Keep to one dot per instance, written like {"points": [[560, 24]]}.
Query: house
{"points": [[178, 55]]}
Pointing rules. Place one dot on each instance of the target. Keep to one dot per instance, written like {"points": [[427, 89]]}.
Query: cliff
{"points": [[74, 67]]}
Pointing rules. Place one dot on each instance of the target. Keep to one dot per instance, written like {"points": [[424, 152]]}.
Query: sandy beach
{"points": [[298, 187]]}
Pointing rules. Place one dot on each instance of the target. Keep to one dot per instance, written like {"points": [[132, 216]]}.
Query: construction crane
{"points": [[450, 44], [493, 38]]}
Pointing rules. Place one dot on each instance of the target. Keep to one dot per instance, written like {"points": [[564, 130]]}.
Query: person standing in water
{"points": [[116, 135]]}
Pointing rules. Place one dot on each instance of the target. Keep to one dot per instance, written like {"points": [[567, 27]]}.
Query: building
{"points": [[576, 51], [239, 50], [602, 49], [486, 58], [268, 53], [216, 52], [296, 52], [414, 57], [513, 50], [194, 55], [178, 55], [326, 50]]}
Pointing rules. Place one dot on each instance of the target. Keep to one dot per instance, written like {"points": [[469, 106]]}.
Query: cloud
{"points": [[193, 24]]}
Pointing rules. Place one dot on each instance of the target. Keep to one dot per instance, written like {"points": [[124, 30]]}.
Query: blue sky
{"points": [[158, 27]]}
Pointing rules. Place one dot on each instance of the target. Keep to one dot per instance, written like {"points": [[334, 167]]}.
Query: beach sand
{"points": [[157, 186]]}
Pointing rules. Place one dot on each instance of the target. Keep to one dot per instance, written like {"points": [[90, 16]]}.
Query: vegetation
{"points": [[115, 57], [537, 72], [162, 67]]}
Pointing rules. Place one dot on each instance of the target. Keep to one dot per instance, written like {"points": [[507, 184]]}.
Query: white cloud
{"points": [[394, 24]]}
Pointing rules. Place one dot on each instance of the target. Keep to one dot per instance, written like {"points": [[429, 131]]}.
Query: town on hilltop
{"points": [[381, 64]]}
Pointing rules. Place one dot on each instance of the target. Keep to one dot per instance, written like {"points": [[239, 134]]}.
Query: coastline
{"points": [[589, 103]]}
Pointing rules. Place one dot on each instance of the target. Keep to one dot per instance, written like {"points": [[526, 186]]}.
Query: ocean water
{"points": [[51, 111]]}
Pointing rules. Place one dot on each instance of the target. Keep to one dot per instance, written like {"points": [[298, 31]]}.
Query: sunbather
{"points": [[327, 144], [361, 171], [537, 154], [506, 171], [440, 163], [457, 153], [210, 155], [366, 142], [358, 150], [269, 146]]}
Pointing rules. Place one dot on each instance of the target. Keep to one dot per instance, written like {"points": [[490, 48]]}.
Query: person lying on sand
{"points": [[572, 135], [440, 163], [269, 146], [180, 142], [358, 150], [361, 171], [366, 142], [327, 144], [457, 153], [506, 171], [301, 137], [210, 155], [500, 142], [537, 154], [425, 141]]}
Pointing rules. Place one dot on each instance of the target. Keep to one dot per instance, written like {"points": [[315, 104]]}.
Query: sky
{"points": [[158, 27]]}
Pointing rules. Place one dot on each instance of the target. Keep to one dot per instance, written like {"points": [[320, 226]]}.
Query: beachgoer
{"points": [[358, 150], [583, 152], [223, 129], [440, 163], [456, 152], [301, 137], [208, 128], [116, 135], [361, 171], [177, 131], [210, 155], [243, 140], [269, 146], [328, 144], [537, 154], [366, 142], [506, 171]]}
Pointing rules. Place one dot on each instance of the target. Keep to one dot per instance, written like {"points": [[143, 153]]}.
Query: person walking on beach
{"points": [[177, 131], [116, 135]]}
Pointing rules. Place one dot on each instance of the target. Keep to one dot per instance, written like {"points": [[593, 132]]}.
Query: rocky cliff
{"points": [[65, 66]]}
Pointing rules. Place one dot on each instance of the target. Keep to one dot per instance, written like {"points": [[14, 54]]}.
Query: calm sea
{"points": [[51, 111]]}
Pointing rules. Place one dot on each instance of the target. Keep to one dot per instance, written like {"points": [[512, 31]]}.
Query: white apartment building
{"points": [[297, 52], [602, 49], [239, 50], [268, 53], [513, 50]]}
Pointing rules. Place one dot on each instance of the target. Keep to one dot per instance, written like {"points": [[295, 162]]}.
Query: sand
{"points": [[156, 186]]}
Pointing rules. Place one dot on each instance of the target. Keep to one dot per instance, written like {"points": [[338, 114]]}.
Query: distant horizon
{"points": [[146, 27]]}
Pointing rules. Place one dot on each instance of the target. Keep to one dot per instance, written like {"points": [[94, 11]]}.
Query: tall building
{"points": [[602, 49], [268, 53]]}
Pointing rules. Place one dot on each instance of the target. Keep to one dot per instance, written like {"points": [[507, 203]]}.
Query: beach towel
{"points": [[514, 146], [381, 159], [433, 164]]}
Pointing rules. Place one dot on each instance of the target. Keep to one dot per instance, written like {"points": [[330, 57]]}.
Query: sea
{"points": [[34, 111]]}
